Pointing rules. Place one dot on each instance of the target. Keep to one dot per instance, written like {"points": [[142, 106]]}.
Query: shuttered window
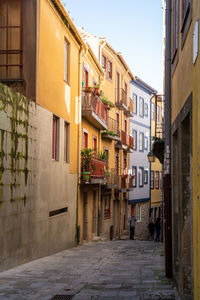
{"points": [[66, 61], [11, 31]]}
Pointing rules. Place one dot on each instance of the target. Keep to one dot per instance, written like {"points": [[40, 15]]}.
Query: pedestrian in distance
{"points": [[157, 225], [151, 230], [132, 222]]}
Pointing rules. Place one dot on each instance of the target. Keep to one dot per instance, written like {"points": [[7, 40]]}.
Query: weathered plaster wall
{"points": [[32, 184]]}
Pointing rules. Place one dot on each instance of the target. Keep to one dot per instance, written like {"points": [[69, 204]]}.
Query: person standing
{"points": [[151, 230], [132, 221], [157, 225]]}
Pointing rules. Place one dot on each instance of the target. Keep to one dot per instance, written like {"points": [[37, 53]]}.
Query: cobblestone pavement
{"points": [[124, 269]]}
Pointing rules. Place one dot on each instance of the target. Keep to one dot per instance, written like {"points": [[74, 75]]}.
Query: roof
{"points": [[139, 82]]}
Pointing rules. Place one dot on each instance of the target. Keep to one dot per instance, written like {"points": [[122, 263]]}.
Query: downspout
{"points": [[167, 156], [77, 236]]}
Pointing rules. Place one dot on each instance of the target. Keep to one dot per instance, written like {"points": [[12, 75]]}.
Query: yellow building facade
{"points": [[185, 147]]}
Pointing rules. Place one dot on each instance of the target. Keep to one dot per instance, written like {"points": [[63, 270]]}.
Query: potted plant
{"points": [[107, 173], [102, 155], [88, 89], [97, 89], [105, 101], [87, 155]]}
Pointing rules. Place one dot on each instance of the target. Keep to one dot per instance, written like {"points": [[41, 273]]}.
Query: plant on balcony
{"points": [[158, 148], [109, 132], [87, 154], [97, 89], [102, 155], [88, 89], [111, 104], [107, 173]]}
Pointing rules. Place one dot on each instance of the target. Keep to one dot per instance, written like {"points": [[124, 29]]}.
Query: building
{"points": [[182, 89], [157, 130], [39, 134], [116, 140], [140, 129]]}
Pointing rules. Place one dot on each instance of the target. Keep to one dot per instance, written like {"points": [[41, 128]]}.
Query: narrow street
{"points": [[123, 269]]}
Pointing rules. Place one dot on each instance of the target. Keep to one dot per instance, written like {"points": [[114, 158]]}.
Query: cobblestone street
{"points": [[124, 269]]}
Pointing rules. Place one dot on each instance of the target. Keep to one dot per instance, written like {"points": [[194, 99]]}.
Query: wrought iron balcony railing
{"points": [[113, 131], [94, 110]]}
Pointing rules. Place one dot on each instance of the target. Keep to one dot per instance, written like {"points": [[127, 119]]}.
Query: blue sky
{"points": [[133, 27]]}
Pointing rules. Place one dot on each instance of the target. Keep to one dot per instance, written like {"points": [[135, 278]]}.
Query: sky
{"points": [[132, 27]]}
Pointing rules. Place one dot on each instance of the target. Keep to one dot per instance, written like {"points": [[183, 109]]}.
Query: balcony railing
{"points": [[94, 110], [97, 172], [121, 99], [129, 111], [113, 131]]}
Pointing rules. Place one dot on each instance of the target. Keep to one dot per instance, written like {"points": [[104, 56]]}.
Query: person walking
{"points": [[157, 225], [132, 221], [151, 230]]}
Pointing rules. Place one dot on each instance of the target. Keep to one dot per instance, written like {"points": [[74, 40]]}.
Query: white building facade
{"points": [[140, 129]]}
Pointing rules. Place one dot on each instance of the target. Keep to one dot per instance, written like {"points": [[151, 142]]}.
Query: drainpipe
{"points": [[167, 157], [77, 236]]}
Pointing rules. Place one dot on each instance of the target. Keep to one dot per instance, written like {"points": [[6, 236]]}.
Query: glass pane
{"points": [[2, 59], [2, 72], [14, 72], [13, 39], [14, 59], [2, 39], [14, 13], [2, 13]]}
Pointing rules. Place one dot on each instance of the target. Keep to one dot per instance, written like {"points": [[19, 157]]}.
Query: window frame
{"points": [[9, 52], [67, 61], [138, 213], [146, 108], [141, 149], [55, 137], [152, 179], [146, 176], [134, 103], [135, 178], [141, 113], [85, 133], [157, 179], [141, 169], [66, 142], [146, 140], [134, 132], [110, 73]]}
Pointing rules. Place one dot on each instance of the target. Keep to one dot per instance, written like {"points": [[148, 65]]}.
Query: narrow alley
{"points": [[122, 269]]}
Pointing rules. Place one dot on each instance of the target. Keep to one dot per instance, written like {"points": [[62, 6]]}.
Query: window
{"points": [[141, 112], [66, 142], [185, 7], [134, 172], [66, 61], [145, 176], [117, 93], [158, 114], [141, 142], [109, 69], [153, 111], [157, 180], [85, 139], [11, 47], [146, 110], [104, 62], [107, 155], [152, 179], [141, 171], [117, 120], [55, 138], [175, 26], [135, 104], [146, 143], [138, 213], [85, 76], [107, 207], [95, 145], [134, 139]]}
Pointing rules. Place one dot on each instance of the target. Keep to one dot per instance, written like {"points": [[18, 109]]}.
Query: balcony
{"points": [[121, 100], [113, 181], [129, 112], [130, 182], [94, 110], [113, 132], [97, 172]]}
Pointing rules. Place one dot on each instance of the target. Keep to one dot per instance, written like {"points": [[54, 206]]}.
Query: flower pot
{"points": [[86, 175], [88, 89], [97, 91]]}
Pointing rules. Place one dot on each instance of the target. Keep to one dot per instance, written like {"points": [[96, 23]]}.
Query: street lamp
{"points": [[151, 157]]}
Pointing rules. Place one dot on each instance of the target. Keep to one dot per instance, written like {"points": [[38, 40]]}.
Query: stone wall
{"points": [[32, 185], [141, 228]]}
